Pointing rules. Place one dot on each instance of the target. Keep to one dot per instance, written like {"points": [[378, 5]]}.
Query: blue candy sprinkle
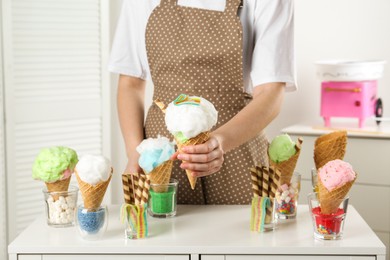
{"points": [[91, 222]]}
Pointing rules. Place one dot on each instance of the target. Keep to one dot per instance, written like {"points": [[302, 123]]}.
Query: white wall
{"points": [[324, 29], [334, 29], [118, 158]]}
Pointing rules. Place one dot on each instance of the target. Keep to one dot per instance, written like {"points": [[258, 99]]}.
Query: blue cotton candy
{"points": [[154, 152]]}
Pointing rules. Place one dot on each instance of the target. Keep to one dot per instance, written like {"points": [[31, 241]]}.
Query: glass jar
{"points": [[327, 226], [163, 199], [91, 223], [60, 207], [287, 197]]}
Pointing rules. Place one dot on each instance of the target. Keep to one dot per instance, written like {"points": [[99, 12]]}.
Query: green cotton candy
{"points": [[281, 148], [181, 138], [51, 162]]}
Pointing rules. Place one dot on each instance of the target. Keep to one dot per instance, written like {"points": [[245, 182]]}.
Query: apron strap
{"points": [[168, 2], [231, 5]]}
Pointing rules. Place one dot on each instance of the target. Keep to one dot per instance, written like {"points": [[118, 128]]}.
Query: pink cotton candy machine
{"points": [[349, 89]]}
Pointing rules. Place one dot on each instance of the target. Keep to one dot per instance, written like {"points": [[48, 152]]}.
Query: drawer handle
{"points": [[353, 90]]}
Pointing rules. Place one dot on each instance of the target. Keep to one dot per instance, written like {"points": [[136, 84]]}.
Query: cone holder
{"points": [[163, 199], [92, 223], [60, 207], [327, 226], [287, 197]]}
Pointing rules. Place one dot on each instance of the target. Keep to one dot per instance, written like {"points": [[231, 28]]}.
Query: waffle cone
{"points": [[92, 194], [199, 139], [161, 175], [58, 186], [287, 167], [330, 147], [331, 200]]}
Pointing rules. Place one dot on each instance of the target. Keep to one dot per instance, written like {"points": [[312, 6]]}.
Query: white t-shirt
{"points": [[268, 48]]}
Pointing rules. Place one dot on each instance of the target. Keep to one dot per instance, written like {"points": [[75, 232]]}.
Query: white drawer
{"points": [[116, 257], [298, 257]]}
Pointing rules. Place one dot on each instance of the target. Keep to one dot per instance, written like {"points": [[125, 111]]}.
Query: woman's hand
{"points": [[132, 165], [202, 159]]}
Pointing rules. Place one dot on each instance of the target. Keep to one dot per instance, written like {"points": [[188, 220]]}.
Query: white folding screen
{"points": [[3, 208], [56, 90]]}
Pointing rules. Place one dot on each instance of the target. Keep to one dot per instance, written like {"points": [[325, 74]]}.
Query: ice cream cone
{"points": [[58, 186], [287, 167], [161, 175], [199, 139], [331, 200], [92, 194], [330, 147]]}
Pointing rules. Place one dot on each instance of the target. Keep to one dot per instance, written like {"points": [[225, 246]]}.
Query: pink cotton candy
{"points": [[335, 174], [66, 174], [284, 187]]}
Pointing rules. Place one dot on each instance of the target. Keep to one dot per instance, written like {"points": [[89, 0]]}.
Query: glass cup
{"points": [[327, 226], [286, 198], [163, 199], [135, 220], [259, 221], [314, 179], [61, 206], [270, 218], [91, 223]]}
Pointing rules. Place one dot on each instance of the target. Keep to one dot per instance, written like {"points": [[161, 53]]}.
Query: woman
{"points": [[238, 55]]}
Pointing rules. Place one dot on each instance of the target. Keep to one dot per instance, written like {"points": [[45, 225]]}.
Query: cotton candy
{"points": [[153, 152], [93, 169]]}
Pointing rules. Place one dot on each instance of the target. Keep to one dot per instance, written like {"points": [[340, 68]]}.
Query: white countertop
{"points": [[203, 230], [370, 131]]}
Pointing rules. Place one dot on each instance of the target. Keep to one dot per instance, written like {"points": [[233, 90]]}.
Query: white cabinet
{"points": [[283, 257], [28, 257], [201, 233], [116, 257]]}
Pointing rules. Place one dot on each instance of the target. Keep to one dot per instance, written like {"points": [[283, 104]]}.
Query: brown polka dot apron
{"points": [[199, 52]]}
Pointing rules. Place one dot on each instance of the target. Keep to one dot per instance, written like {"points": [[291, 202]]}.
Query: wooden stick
{"points": [[161, 105]]}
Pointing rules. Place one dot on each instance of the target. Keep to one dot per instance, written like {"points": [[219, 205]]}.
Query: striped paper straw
{"points": [[265, 182], [126, 188], [138, 193], [255, 182], [145, 191]]}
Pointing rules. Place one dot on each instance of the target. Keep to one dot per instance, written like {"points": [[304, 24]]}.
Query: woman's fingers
{"points": [[202, 167], [201, 158], [202, 174], [206, 147], [175, 155]]}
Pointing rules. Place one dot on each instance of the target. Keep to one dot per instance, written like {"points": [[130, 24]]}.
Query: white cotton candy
{"points": [[190, 120], [93, 169]]}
